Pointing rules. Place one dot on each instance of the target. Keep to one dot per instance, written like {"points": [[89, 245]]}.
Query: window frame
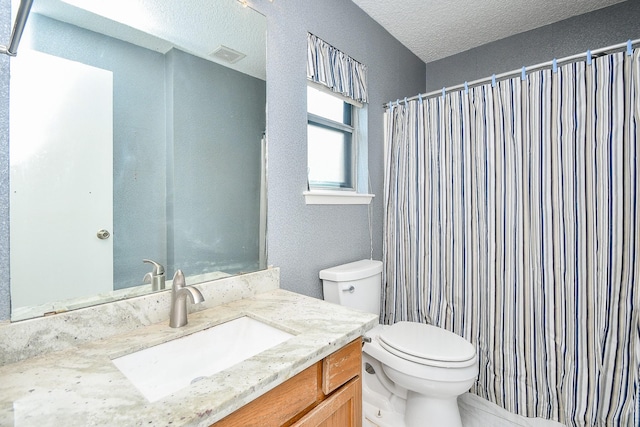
{"points": [[349, 166], [332, 194]]}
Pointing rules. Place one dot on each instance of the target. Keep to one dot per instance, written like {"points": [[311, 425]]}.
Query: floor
{"points": [[478, 412], [474, 411]]}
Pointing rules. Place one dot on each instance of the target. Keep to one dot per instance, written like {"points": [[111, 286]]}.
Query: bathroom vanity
{"points": [[328, 394], [310, 379]]}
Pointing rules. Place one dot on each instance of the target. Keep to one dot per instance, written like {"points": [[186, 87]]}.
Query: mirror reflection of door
{"points": [[61, 179]]}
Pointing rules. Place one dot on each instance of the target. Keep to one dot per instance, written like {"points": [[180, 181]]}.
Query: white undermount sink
{"points": [[166, 368]]}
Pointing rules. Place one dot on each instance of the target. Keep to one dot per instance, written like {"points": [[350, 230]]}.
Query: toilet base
{"points": [[372, 416], [424, 411], [442, 414], [387, 405]]}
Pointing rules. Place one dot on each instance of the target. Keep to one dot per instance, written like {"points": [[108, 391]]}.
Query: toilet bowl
{"points": [[412, 372], [430, 383]]}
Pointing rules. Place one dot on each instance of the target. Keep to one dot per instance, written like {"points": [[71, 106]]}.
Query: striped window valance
{"points": [[334, 69]]}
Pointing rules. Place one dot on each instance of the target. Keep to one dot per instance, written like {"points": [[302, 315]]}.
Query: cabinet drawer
{"points": [[341, 366], [279, 405]]}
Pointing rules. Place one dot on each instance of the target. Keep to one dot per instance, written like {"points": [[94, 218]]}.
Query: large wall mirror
{"points": [[136, 132]]}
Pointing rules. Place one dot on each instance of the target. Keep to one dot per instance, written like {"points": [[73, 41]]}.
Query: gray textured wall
{"points": [[218, 120], [303, 239], [601, 28], [5, 18]]}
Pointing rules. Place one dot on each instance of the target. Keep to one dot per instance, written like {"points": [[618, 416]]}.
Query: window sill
{"points": [[328, 197]]}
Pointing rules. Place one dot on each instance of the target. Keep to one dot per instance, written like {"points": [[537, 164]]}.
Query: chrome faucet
{"points": [[156, 277], [179, 293]]}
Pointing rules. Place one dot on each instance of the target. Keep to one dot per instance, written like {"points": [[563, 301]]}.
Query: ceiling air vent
{"points": [[227, 54]]}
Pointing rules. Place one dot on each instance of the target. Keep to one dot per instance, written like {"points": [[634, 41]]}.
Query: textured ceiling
{"points": [[194, 26], [434, 29]]}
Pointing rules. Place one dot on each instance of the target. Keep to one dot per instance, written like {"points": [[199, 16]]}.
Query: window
{"points": [[337, 152], [331, 141], [336, 149]]}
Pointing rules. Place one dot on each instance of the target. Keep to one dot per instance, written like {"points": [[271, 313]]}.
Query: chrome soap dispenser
{"points": [[156, 277]]}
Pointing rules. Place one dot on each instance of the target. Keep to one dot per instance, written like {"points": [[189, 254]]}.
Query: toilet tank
{"points": [[356, 285]]}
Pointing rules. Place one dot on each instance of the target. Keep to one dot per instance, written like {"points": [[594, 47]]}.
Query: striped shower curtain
{"points": [[511, 219]]}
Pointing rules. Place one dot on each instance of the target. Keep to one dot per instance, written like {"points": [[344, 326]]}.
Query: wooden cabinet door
{"points": [[341, 409], [278, 406]]}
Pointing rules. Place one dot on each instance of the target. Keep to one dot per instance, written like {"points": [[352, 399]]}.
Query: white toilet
{"points": [[412, 373]]}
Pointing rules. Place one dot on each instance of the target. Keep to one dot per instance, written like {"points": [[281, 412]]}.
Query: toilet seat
{"points": [[427, 345]]}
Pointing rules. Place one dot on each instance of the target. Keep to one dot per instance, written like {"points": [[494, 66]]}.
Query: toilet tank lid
{"points": [[352, 271]]}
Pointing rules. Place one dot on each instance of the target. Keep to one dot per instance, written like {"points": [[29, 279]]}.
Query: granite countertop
{"points": [[81, 386]]}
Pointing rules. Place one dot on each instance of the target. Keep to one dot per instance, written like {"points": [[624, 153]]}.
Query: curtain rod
{"points": [[18, 28], [521, 72]]}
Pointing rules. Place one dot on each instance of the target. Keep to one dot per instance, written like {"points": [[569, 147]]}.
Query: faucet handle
{"points": [[148, 278], [179, 280], [158, 269]]}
